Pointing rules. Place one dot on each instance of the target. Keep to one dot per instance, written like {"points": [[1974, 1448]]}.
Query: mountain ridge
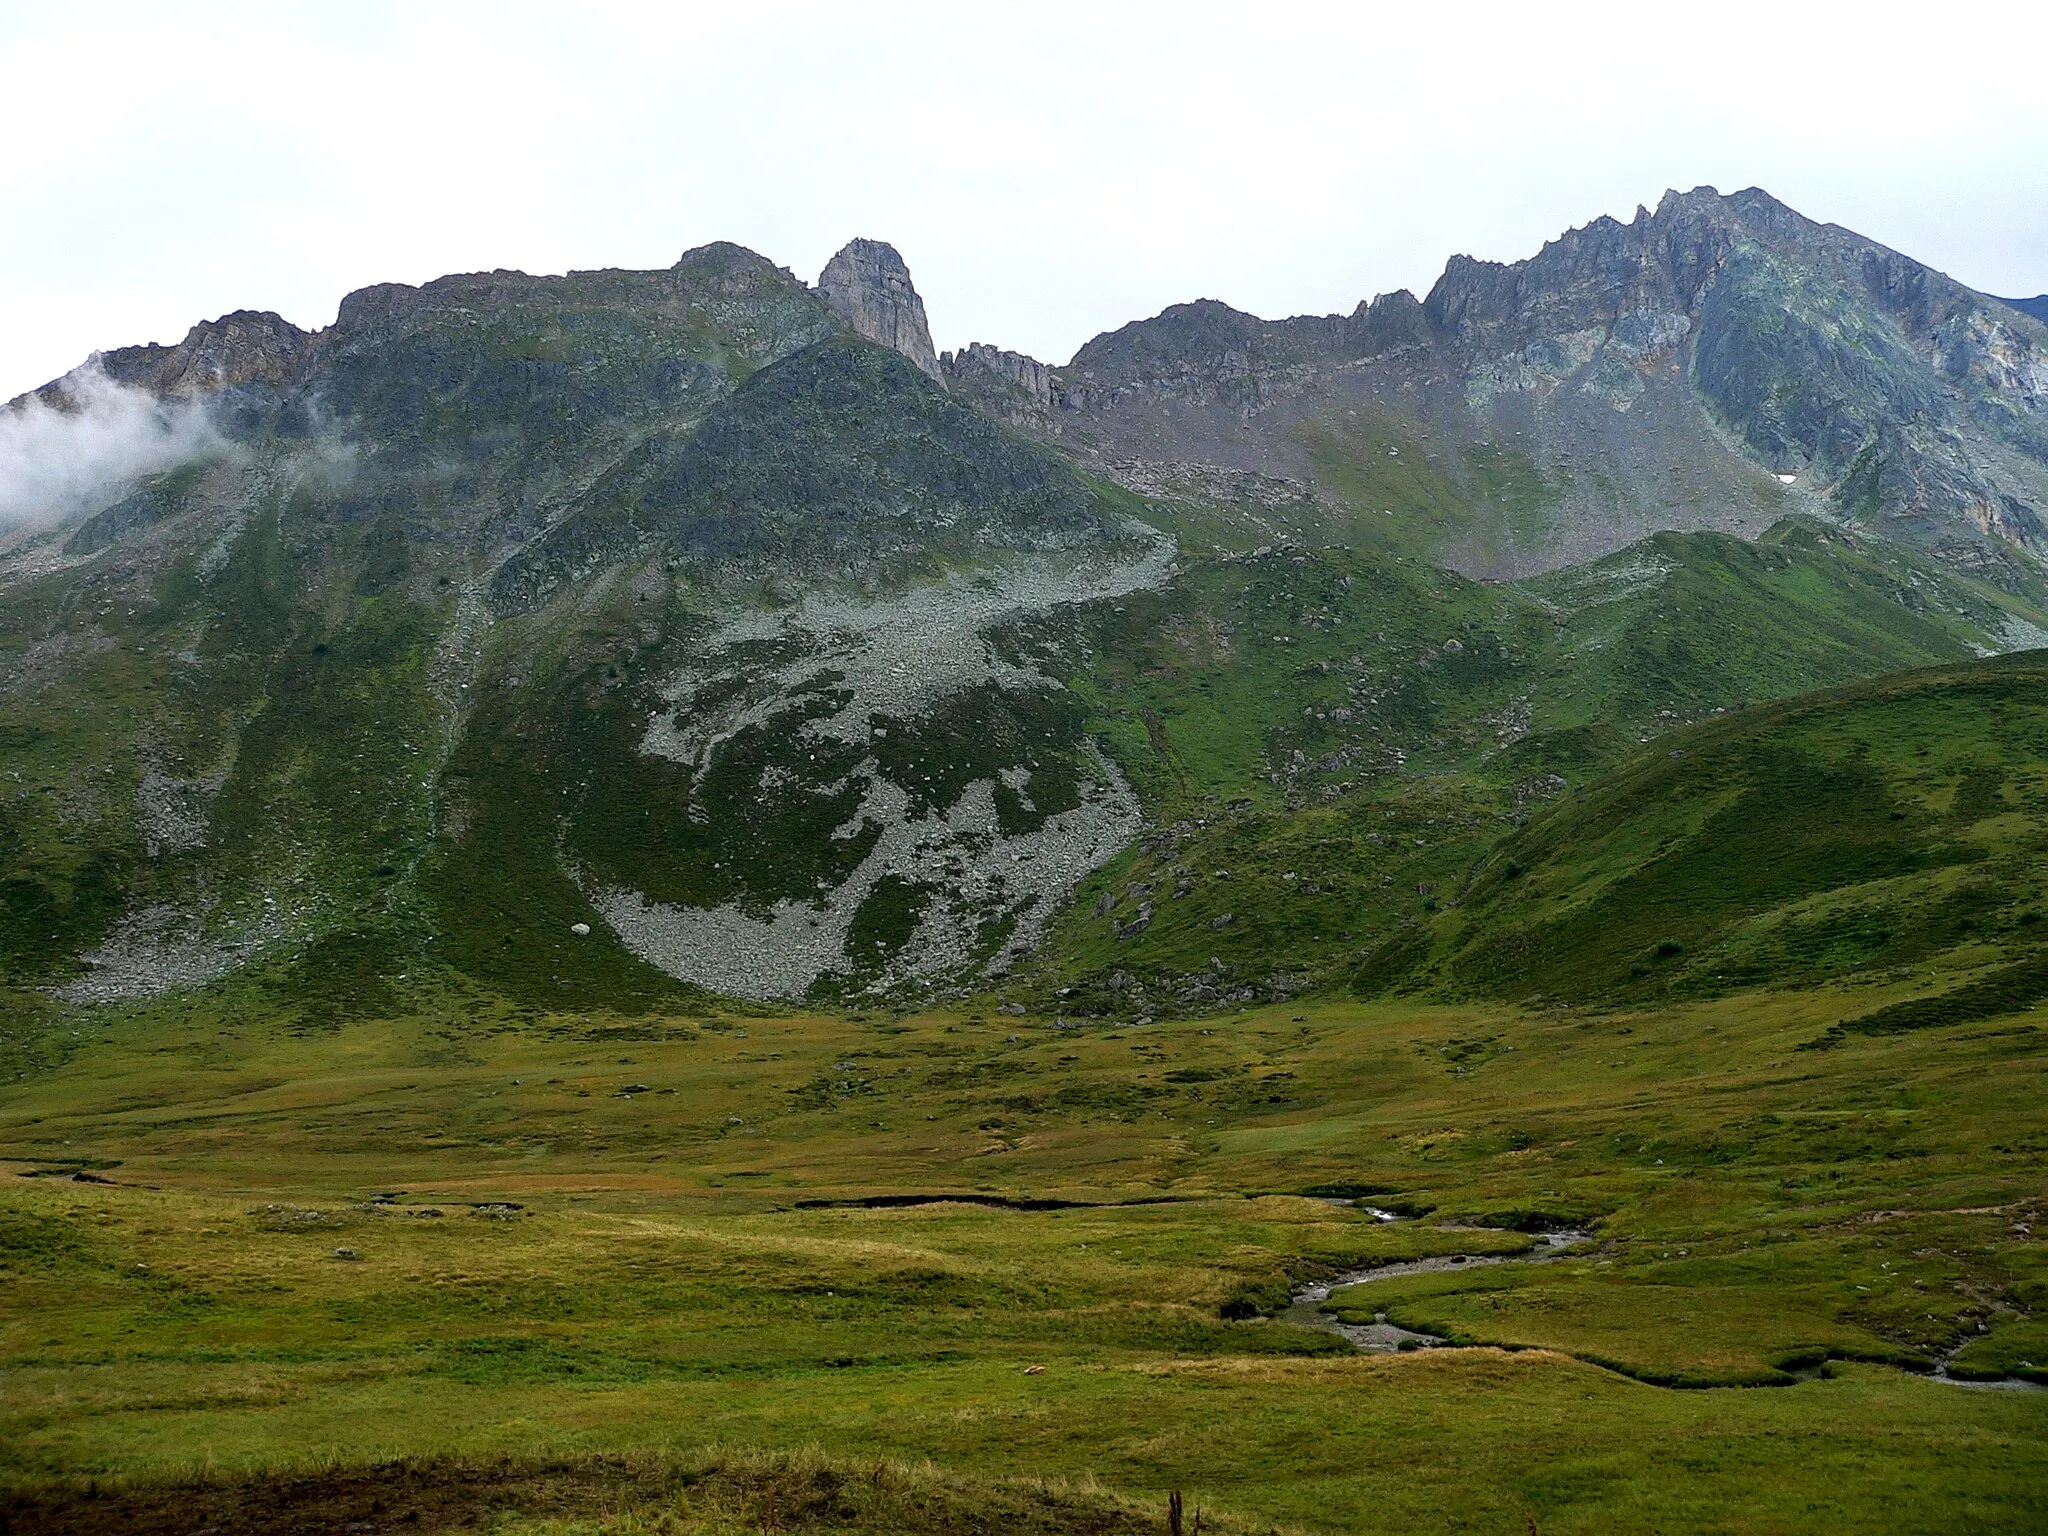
{"points": [[596, 635], [1927, 419]]}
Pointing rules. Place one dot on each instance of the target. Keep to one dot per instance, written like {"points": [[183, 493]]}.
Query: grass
{"points": [[467, 1228], [1870, 831], [1349, 734], [647, 1492]]}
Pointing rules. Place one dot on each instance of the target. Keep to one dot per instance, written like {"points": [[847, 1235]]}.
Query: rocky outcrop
{"points": [[869, 287], [980, 360], [1009, 386], [250, 346]]}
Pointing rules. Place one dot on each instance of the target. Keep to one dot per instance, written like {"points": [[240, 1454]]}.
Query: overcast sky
{"points": [[1049, 170]]}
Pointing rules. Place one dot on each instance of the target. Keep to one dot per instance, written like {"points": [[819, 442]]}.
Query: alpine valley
{"points": [[634, 901]]}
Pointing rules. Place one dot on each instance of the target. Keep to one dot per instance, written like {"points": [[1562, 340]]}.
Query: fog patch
{"points": [[60, 460]]}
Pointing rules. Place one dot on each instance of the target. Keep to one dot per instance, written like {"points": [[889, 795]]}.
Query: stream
{"points": [[2003, 1384], [1306, 1309]]}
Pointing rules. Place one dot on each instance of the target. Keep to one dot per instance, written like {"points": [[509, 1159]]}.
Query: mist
{"points": [[56, 462]]}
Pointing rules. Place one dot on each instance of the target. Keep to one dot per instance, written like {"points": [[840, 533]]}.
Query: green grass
{"points": [[1866, 832], [1373, 727], [674, 1279]]}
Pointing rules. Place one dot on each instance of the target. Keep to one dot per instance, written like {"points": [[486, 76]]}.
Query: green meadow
{"points": [[478, 1265]]}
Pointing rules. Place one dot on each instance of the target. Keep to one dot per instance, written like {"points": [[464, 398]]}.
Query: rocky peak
{"points": [[1391, 320], [249, 346], [246, 347], [869, 287]]}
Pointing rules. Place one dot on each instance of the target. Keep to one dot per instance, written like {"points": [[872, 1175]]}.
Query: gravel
{"points": [[898, 656]]}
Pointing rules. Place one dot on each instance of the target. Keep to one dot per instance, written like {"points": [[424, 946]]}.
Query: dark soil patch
{"points": [[772, 1493]]}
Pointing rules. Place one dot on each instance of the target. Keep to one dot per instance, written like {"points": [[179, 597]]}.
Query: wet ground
{"points": [[1307, 1308]]}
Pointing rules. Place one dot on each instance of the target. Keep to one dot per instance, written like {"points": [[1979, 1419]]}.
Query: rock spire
{"points": [[870, 287]]}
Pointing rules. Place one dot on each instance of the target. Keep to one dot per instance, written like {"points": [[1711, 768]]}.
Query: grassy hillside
{"points": [[1331, 741], [1889, 829], [377, 679], [338, 1237], [272, 717]]}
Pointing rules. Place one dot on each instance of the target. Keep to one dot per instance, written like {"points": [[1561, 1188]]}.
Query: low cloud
{"points": [[57, 462]]}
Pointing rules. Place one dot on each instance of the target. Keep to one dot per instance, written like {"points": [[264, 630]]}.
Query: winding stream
{"points": [[2002, 1384], [1307, 1310]]}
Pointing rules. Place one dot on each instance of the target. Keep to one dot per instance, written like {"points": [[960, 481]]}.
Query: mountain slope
{"points": [[1330, 743], [1863, 834], [252, 700], [838, 462], [1718, 363], [600, 637]]}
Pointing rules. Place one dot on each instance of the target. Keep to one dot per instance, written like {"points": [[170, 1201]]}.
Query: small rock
{"points": [[581, 930], [346, 1253]]}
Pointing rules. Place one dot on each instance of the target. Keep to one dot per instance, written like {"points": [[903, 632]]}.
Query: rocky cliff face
{"points": [[869, 287], [1712, 364]]}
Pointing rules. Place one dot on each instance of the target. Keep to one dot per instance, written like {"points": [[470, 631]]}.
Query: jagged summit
{"points": [[1716, 362], [869, 287]]}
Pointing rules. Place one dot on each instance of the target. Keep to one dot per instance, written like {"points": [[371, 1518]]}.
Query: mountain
{"points": [[1719, 363], [2036, 306], [582, 860], [604, 639]]}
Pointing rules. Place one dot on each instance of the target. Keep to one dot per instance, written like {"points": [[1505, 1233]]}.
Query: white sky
{"points": [[1049, 170]]}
